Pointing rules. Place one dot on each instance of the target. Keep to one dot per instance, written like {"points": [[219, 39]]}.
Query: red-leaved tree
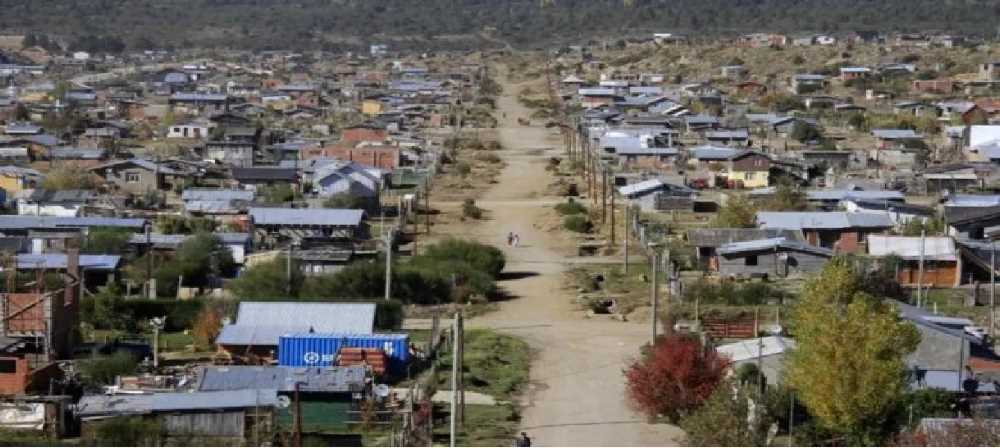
{"points": [[675, 377]]}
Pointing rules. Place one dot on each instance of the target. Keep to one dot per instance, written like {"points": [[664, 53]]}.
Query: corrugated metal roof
{"points": [[822, 220], [641, 187], [895, 134], [216, 194], [839, 195], [972, 200], [113, 405], [772, 244], [262, 323], [908, 247], [58, 261], [722, 236], [55, 222], [712, 153], [282, 378], [307, 216], [748, 349]]}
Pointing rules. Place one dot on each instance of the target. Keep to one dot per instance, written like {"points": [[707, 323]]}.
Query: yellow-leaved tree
{"points": [[849, 365]]}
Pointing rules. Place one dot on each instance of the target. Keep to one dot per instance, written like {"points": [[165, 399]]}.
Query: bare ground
{"points": [[577, 388]]}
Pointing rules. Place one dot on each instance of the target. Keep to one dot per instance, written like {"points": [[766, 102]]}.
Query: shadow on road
{"points": [[516, 275]]}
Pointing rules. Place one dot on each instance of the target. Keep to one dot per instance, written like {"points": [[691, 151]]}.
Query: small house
{"points": [[655, 195], [343, 226], [772, 257], [851, 73], [259, 325], [232, 417], [840, 231], [136, 175], [260, 175], [895, 138], [66, 203], [942, 265], [214, 202], [807, 83], [707, 241]]}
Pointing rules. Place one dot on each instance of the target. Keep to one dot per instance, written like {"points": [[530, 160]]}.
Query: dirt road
{"points": [[577, 386]]}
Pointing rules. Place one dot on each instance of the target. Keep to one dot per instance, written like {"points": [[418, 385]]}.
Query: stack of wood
{"points": [[371, 357]]}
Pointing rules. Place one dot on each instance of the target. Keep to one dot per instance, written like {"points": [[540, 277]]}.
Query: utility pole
{"points": [[427, 203], [461, 369], [993, 288], [628, 211], [297, 431], [454, 380], [611, 181], [604, 195], [150, 289], [288, 271], [920, 272], [388, 265], [653, 289]]}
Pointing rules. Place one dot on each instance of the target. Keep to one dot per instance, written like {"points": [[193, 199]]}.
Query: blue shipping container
{"points": [[320, 349]]}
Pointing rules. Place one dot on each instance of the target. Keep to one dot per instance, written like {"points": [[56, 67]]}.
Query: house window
{"points": [[748, 175], [132, 178], [751, 260]]}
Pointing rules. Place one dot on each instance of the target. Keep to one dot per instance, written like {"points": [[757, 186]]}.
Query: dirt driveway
{"points": [[577, 387]]}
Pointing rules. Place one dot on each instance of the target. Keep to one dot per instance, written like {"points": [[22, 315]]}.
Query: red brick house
{"points": [[360, 134], [378, 156], [933, 86]]}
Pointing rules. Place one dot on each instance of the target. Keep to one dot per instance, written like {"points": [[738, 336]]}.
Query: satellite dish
{"points": [[226, 321], [284, 402], [382, 390], [157, 321]]}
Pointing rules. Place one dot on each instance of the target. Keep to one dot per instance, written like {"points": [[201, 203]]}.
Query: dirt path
{"points": [[577, 386]]}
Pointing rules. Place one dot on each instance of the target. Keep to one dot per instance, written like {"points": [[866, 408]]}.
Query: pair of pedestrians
{"points": [[513, 239]]}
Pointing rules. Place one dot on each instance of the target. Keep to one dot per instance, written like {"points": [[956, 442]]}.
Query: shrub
{"points": [[463, 169], [106, 240], [127, 431], [479, 256], [102, 370], [674, 377], [570, 207], [488, 157], [345, 200], [577, 223], [471, 210]]}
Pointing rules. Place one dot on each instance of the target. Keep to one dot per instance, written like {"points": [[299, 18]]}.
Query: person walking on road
{"points": [[524, 440], [517, 239], [510, 238]]}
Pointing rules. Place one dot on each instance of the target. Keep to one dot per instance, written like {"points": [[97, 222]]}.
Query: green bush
{"points": [[102, 370], [570, 207], [346, 200], [577, 223], [127, 431], [471, 210], [106, 240], [731, 293], [481, 257], [111, 312]]}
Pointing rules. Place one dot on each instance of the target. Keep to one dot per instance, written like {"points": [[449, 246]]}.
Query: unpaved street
{"points": [[576, 395]]}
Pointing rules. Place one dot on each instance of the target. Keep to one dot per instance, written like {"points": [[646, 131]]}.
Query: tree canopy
{"points": [[849, 365]]}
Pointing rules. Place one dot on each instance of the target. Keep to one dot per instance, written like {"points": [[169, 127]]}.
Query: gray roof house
{"points": [[772, 257], [839, 231], [260, 324], [213, 201], [271, 224]]}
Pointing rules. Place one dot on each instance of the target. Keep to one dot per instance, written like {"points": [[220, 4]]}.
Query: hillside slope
{"points": [[334, 24]]}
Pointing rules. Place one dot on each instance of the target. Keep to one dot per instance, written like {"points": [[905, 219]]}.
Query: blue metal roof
{"points": [[307, 216], [58, 261], [11, 222], [216, 194], [822, 220]]}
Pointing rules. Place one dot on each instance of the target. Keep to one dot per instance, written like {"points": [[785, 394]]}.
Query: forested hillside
{"points": [[339, 24]]}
